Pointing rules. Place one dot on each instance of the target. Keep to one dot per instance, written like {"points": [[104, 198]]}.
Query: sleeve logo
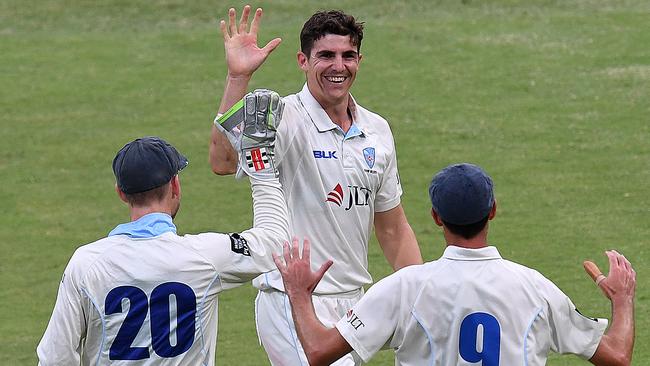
{"points": [[354, 320], [239, 245]]}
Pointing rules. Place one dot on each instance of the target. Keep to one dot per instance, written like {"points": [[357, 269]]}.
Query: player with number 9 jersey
{"points": [[471, 306]]}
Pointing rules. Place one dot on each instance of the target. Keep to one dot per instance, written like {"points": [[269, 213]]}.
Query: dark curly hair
{"points": [[323, 23]]}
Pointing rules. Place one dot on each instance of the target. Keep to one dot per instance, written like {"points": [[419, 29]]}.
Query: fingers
{"points": [[295, 249], [306, 250], [613, 260], [278, 262], [321, 271], [224, 31], [285, 253], [593, 271], [231, 21], [255, 25], [243, 22], [272, 45]]}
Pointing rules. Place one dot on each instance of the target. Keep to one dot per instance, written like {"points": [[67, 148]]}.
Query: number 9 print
{"points": [[467, 347]]}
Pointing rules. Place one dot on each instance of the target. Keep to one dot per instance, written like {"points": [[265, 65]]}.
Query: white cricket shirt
{"points": [[146, 296], [334, 183], [467, 307]]}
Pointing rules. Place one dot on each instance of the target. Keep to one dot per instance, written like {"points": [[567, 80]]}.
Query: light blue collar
{"points": [[148, 226], [354, 131]]}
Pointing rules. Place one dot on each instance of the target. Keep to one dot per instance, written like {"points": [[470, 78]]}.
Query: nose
{"points": [[338, 63]]}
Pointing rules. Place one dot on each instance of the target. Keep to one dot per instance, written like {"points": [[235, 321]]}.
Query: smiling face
{"points": [[331, 68]]}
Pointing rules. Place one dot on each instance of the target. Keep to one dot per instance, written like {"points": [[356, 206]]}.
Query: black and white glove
{"points": [[250, 126]]}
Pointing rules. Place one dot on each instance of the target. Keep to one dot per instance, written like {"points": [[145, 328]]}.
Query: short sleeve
{"points": [[372, 323], [571, 332], [390, 188]]}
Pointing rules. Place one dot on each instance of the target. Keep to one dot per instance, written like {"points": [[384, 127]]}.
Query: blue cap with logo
{"points": [[146, 163], [461, 194]]}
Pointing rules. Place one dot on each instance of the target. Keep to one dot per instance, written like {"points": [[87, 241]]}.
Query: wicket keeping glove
{"points": [[250, 126]]}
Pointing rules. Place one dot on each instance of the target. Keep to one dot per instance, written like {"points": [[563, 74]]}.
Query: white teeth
{"points": [[335, 79]]}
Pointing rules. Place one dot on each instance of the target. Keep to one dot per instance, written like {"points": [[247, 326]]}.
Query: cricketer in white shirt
{"points": [[337, 162], [147, 296], [470, 305]]}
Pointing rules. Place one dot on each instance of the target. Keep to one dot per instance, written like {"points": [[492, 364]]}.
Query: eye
{"points": [[325, 55], [350, 56]]}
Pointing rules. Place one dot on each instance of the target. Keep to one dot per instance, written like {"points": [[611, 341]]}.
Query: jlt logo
{"points": [[357, 196], [354, 320]]}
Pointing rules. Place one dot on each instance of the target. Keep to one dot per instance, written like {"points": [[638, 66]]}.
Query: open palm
{"points": [[243, 56]]}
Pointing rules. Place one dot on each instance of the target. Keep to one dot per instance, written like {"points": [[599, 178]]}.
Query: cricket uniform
{"points": [[469, 306], [334, 183], [147, 296]]}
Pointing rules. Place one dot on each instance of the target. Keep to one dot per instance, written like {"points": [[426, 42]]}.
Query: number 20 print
{"points": [[158, 305]]}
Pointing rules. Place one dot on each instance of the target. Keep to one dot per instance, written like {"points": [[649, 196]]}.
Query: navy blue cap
{"points": [[146, 163], [461, 194]]}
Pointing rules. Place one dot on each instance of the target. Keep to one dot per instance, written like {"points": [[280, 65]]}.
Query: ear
{"points": [[436, 217], [176, 186], [360, 57], [493, 211], [121, 194], [303, 61]]}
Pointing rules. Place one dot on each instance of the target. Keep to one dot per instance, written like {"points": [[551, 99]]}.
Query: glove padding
{"points": [[250, 126]]}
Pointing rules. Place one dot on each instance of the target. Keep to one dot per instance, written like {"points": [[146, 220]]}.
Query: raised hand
{"points": [[243, 56], [620, 283], [296, 274]]}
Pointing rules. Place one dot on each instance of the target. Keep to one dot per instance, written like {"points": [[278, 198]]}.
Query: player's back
{"points": [[473, 306], [146, 301]]}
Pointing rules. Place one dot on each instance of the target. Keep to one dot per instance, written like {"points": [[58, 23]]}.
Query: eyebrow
{"points": [[330, 53]]}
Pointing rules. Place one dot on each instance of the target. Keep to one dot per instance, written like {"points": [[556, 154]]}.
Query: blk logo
{"points": [[354, 320], [319, 154], [357, 196]]}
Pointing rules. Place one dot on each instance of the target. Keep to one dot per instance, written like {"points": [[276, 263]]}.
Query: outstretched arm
{"points": [[616, 345], [243, 58], [396, 238], [322, 345]]}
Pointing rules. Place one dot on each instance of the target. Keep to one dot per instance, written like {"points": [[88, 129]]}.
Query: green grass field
{"points": [[550, 97]]}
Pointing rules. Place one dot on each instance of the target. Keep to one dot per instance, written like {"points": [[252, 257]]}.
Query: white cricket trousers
{"points": [[277, 332]]}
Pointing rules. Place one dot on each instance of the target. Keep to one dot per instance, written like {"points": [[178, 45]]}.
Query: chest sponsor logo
{"points": [[321, 154], [239, 245], [357, 196], [369, 156], [336, 195], [354, 320]]}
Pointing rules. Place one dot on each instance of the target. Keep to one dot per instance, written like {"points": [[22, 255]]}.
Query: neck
{"points": [[340, 114], [337, 111], [477, 242], [137, 212]]}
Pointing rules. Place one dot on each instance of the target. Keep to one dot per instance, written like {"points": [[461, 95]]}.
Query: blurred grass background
{"points": [[550, 97]]}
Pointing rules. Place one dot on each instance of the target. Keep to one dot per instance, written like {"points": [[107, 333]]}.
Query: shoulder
{"points": [[293, 114], [214, 248], [372, 118], [85, 256], [408, 279], [533, 278], [206, 241], [374, 125]]}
